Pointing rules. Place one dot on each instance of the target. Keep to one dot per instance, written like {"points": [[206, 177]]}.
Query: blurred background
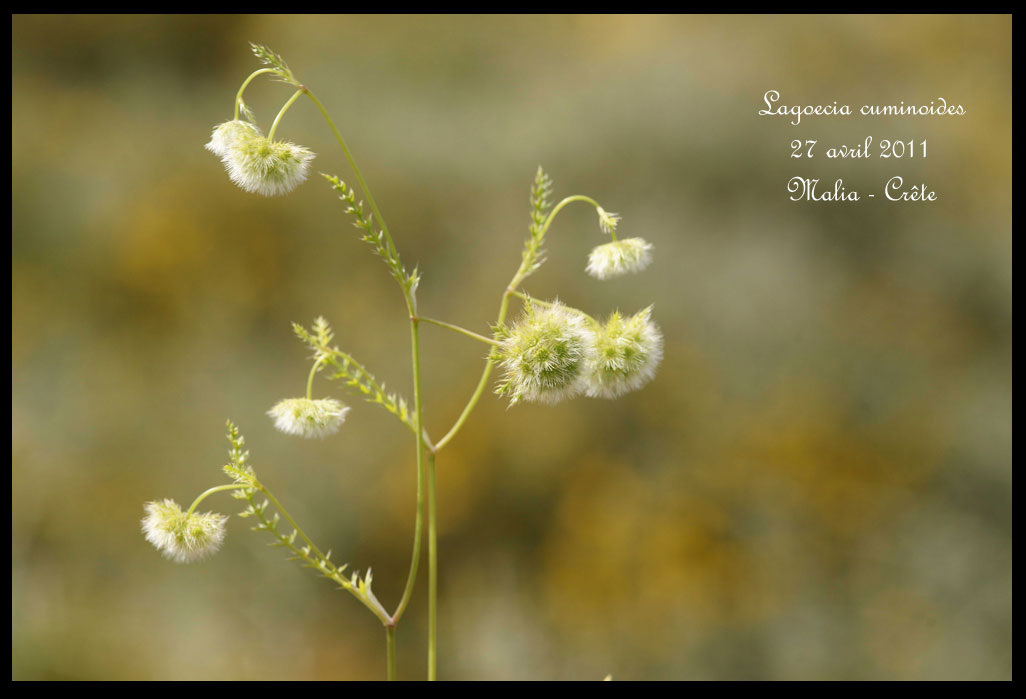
{"points": [[817, 484]]}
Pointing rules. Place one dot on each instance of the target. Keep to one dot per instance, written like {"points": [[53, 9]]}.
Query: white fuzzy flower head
{"points": [[308, 417], [182, 539], [619, 257], [226, 135], [262, 166], [627, 352], [543, 354]]}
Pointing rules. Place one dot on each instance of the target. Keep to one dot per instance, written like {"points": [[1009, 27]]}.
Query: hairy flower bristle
{"points": [[266, 167], [619, 257], [226, 135], [308, 417], [627, 353], [543, 354], [182, 538]]}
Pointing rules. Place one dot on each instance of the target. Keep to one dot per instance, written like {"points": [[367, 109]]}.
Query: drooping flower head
{"points": [[309, 417], [182, 539], [619, 257], [258, 164], [226, 135], [627, 352], [543, 354], [262, 166]]}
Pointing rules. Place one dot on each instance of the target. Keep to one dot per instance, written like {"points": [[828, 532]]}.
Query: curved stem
{"points": [[462, 331], [511, 290], [352, 164], [285, 108], [211, 491], [313, 370], [556, 209], [481, 384], [245, 84]]}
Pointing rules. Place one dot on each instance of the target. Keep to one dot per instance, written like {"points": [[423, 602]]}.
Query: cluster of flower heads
{"points": [[308, 417], [256, 163], [180, 537], [556, 352]]}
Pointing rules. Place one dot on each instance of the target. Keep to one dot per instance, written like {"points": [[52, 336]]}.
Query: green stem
{"points": [[311, 555], [432, 573], [411, 305], [511, 290], [245, 84], [288, 518], [313, 370], [211, 491], [481, 384], [390, 652], [285, 108], [352, 164], [418, 526], [463, 331]]}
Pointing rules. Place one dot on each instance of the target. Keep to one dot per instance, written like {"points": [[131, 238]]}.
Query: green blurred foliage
{"points": [[816, 485]]}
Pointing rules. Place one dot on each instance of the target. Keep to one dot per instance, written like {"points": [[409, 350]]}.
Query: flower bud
{"points": [[543, 354], [182, 539], [619, 257], [607, 221], [307, 417], [627, 352]]}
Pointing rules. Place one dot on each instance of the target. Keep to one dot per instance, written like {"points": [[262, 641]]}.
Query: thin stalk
{"points": [[245, 84], [511, 290], [288, 518], [419, 524], [390, 652], [481, 384], [432, 573], [285, 108], [411, 306], [462, 331], [211, 491], [555, 210], [313, 371], [352, 164]]}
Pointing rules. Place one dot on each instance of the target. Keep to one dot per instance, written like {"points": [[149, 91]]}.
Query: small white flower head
{"points": [[262, 166], [182, 539], [607, 220], [544, 353], [226, 135], [619, 257], [307, 417], [627, 352]]}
